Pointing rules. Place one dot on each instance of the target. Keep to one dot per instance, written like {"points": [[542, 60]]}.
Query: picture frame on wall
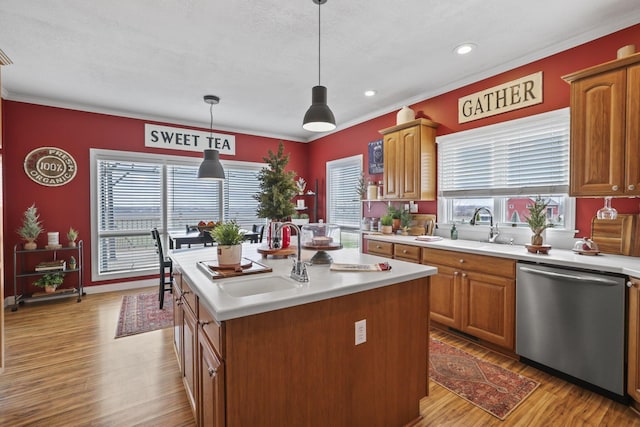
{"points": [[376, 157]]}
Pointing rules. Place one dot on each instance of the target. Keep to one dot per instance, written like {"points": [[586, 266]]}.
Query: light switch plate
{"points": [[361, 331]]}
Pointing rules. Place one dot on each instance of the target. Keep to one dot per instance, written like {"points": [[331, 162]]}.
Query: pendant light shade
{"points": [[211, 168], [319, 117]]}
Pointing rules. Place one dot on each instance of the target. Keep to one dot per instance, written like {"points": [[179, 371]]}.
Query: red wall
{"points": [[29, 126], [443, 109]]}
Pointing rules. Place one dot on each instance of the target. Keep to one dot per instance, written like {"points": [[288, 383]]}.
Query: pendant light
{"points": [[319, 117], [210, 168]]}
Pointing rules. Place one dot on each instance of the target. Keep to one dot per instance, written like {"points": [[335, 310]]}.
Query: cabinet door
{"points": [[391, 149], [189, 354], [445, 297], [488, 308], [178, 327], [210, 385], [632, 147], [633, 381], [597, 134], [409, 154]]}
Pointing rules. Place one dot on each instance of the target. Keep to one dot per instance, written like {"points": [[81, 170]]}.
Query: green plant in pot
{"points": [[405, 221], [396, 215], [386, 224], [277, 189], [72, 235], [229, 237], [31, 227], [537, 220], [50, 281]]}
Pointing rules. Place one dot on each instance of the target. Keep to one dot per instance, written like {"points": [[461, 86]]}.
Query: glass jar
{"points": [[380, 189], [366, 224], [372, 191], [607, 212]]}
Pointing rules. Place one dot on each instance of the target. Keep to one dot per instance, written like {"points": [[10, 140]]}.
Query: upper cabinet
{"points": [[605, 129], [410, 161]]}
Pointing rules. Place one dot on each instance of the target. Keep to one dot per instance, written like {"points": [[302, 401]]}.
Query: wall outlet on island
{"points": [[361, 331]]}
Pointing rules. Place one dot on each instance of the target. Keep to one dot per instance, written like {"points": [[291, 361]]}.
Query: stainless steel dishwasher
{"points": [[573, 322]]}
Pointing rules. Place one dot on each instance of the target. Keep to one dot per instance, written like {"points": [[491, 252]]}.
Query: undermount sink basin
{"points": [[257, 285]]}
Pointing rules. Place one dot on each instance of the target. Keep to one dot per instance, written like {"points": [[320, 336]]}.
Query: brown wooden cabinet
{"points": [[384, 249], [605, 129], [410, 161], [211, 382], [474, 294], [410, 253], [633, 378]]}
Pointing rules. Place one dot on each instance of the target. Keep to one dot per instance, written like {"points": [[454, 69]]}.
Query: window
{"points": [[504, 167], [135, 192], [343, 201]]}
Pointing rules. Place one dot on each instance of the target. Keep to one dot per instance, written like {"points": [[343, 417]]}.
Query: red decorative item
{"points": [[286, 237]]}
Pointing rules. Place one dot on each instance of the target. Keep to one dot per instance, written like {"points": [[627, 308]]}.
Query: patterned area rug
{"points": [[141, 313], [488, 386]]}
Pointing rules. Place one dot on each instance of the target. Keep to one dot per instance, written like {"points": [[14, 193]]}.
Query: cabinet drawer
{"points": [[189, 296], [375, 247], [471, 262], [406, 252], [212, 329]]}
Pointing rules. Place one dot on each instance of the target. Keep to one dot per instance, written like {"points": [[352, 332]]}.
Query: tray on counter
{"points": [[246, 267]]}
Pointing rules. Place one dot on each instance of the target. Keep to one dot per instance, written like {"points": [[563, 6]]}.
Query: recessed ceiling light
{"points": [[464, 48], [369, 92]]}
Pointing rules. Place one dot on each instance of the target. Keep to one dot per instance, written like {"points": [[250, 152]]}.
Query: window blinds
{"points": [[343, 201], [524, 156]]}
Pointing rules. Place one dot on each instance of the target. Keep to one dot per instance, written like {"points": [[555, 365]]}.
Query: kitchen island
{"points": [[344, 349]]}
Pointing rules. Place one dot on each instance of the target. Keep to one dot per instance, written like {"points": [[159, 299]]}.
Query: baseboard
{"points": [[112, 287]]}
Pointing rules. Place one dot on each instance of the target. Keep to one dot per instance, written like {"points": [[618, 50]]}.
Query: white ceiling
{"points": [[155, 59]]}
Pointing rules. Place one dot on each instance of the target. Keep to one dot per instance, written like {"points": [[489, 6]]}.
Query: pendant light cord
{"points": [[319, 43], [211, 122]]}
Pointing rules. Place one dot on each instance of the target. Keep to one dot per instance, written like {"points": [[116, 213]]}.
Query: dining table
{"points": [[195, 237]]}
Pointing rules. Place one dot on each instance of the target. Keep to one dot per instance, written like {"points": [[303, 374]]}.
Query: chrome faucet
{"points": [[493, 233], [299, 270]]}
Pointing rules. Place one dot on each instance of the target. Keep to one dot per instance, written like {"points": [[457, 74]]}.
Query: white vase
{"points": [[229, 256], [405, 115]]}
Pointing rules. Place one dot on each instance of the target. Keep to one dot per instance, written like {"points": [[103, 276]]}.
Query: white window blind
{"points": [[189, 199], [240, 185], [524, 156], [343, 201]]}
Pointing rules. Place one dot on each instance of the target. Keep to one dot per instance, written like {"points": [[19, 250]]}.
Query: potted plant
{"points": [[72, 263], [405, 221], [277, 189], [361, 189], [386, 224], [229, 238], [50, 281], [72, 235], [31, 227], [537, 220], [300, 219], [396, 214]]}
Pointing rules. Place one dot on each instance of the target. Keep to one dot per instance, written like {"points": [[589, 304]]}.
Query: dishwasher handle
{"points": [[590, 278]]}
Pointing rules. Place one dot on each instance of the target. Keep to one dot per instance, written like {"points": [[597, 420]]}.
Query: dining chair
{"points": [[259, 229], [166, 268]]}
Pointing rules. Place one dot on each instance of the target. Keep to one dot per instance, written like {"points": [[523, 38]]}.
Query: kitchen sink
{"points": [[257, 285]]}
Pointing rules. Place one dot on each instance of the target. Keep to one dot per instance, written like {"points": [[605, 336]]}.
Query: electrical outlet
{"points": [[361, 331]]}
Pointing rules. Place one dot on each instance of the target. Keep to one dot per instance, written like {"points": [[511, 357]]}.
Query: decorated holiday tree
{"points": [[277, 187]]}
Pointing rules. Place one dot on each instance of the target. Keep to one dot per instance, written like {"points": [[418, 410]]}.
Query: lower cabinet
{"points": [[211, 403], [474, 294], [633, 380], [384, 249], [410, 253]]}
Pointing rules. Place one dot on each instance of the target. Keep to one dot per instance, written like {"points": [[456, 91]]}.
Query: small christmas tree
{"points": [[277, 187], [31, 224]]}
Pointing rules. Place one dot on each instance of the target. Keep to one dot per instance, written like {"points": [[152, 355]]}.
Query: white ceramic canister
{"points": [[405, 115]]}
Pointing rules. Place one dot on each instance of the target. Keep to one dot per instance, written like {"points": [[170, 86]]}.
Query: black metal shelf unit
{"points": [[22, 269]]}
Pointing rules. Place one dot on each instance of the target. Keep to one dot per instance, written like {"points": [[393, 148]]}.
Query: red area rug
{"points": [[141, 313], [488, 386]]}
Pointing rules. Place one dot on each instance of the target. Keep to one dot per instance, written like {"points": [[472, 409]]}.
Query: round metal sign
{"points": [[50, 166]]}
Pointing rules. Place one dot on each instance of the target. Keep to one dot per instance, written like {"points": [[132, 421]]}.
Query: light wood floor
{"points": [[64, 368]]}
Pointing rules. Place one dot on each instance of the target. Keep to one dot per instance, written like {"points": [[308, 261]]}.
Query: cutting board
{"points": [[214, 271], [617, 236], [422, 224]]}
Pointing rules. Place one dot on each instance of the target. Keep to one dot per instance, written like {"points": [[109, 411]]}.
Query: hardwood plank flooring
{"points": [[64, 368]]}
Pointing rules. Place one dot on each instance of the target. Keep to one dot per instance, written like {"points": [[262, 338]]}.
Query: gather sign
{"points": [[520, 93], [50, 166]]}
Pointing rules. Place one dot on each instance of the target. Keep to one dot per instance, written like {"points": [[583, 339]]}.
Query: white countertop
{"points": [[323, 284], [560, 257]]}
